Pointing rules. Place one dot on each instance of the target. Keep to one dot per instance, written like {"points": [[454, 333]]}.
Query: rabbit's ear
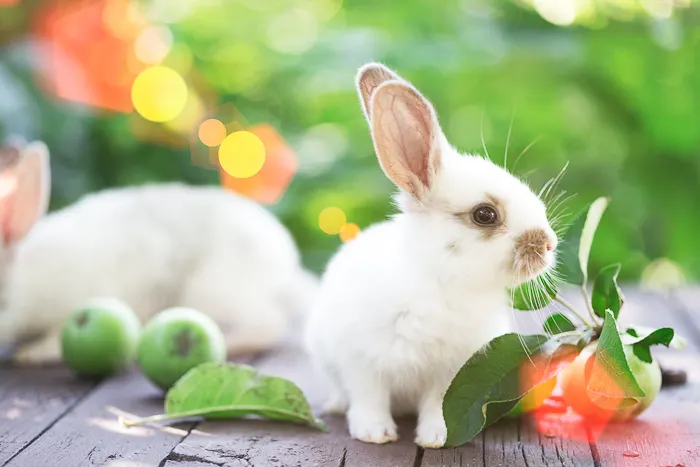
{"points": [[369, 77], [407, 136], [26, 198]]}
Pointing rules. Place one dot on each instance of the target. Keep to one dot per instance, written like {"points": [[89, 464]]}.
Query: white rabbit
{"points": [[154, 247], [406, 303]]}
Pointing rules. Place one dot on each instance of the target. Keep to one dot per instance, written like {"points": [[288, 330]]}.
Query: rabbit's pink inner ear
{"points": [[405, 136], [29, 199], [369, 78]]}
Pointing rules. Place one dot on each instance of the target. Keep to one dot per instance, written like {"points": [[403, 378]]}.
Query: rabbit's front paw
{"points": [[377, 430], [431, 434]]}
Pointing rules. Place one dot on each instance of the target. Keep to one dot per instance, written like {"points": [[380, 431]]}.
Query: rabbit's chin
{"points": [[523, 274]]}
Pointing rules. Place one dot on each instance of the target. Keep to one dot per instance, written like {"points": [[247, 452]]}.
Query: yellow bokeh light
{"points": [[212, 132], [349, 231], [242, 154], [159, 94], [559, 12], [331, 220]]}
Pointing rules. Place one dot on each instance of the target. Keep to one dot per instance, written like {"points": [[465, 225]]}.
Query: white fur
{"points": [[155, 247], [409, 300]]}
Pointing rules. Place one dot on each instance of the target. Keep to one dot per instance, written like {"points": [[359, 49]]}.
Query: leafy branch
{"points": [[509, 372]]}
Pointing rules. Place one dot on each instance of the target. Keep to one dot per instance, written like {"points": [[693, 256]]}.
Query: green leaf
{"points": [[640, 332], [606, 293], [490, 384], [532, 295], [610, 379], [227, 390], [576, 243], [557, 323], [641, 345]]}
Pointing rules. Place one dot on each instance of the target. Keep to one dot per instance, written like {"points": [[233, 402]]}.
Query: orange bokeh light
{"points": [[269, 184], [9, 2], [349, 231], [89, 51], [212, 132]]}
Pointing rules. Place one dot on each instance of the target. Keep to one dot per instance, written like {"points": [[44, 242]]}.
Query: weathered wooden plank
{"points": [[470, 454], [265, 443], [398, 454], [31, 401], [257, 443], [90, 433], [519, 443], [516, 443]]}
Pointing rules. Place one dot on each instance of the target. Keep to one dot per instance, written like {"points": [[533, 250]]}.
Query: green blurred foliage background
{"points": [[614, 90]]}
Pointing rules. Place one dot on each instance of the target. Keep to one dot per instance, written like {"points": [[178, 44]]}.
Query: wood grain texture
{"points": [[31, 401], [90, 433], [519, 443], [265, 443]]}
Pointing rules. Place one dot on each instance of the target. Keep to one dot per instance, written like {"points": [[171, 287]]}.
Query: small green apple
{"points": [[175, 341], [100, 338]]}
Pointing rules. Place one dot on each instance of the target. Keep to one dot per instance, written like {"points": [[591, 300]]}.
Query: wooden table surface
{"points": [[49, 418]]}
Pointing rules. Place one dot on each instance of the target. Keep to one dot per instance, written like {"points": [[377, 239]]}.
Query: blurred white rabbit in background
{"points": [[152, 246]]}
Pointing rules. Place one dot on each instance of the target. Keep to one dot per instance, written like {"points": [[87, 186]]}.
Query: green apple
{"points": [[573, 384], [175, 341], [100, 338]]}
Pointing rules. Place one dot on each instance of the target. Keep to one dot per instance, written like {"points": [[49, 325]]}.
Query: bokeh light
{"points": [[331, 220], [153, 44], [662, 9], [159, 94], [349, 231], [559, 12], [8, 2], [212, 132], [86, 47], [292, 32], [281, 164], [242, 154], [193, 112], [168, 11]]}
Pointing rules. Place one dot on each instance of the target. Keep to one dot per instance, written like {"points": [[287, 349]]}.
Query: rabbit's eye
{"points": [[485, 215]]}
